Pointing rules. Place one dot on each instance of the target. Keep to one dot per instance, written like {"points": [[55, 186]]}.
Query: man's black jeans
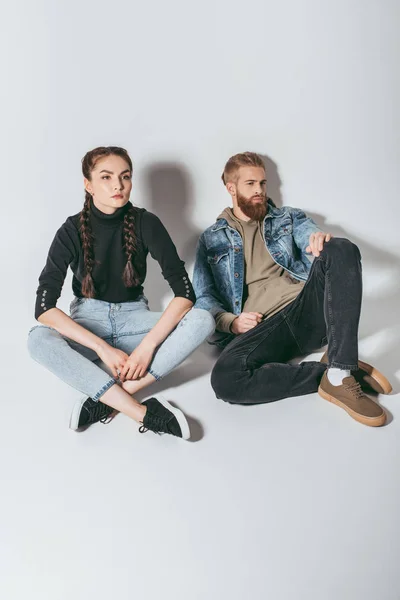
{"points": [[253, 367]]}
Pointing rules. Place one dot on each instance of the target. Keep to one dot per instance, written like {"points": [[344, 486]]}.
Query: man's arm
{"points": [[207, 296], [307, 235], [303, 228]]}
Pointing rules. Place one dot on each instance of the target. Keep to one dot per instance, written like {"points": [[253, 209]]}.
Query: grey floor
{"points": [[288, 501]]}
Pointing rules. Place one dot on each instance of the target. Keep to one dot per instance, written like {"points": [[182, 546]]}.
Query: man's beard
{"points": [[256, 211]]}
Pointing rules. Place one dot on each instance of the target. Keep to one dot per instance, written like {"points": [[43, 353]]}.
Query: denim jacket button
{"points": [[237, 249], [236, 275]]}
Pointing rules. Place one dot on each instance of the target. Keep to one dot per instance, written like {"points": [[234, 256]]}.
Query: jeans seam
{"points": [[120, 335], [155, 375], [331, 328], [294, 337], [246, 356], [337, 365], [105, 387]]}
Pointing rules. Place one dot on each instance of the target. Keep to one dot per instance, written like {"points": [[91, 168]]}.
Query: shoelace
{"points": [[143, 429], [106, 419], [157, 424], [100, 413], [354, 389]]}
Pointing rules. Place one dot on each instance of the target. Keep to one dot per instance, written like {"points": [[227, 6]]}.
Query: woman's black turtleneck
{"points": [[110, 258]]}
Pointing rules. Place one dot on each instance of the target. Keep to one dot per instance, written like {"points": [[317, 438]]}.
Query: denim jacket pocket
{"points": [[285, 228], [213, 259]]}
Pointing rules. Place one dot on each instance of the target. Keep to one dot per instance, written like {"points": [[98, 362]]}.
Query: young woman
{"points": [[106, 246]]}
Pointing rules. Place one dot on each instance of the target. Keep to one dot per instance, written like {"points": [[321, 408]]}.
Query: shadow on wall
{"points": [[274, 182], [379, 312], [169, 194]]}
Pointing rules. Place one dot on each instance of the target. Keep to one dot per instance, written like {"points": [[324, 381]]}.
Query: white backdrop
{"points": [[312, 85]]}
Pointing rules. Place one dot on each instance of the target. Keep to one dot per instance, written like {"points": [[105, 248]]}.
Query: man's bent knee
{"points": [[223, 377], [341, 245]]}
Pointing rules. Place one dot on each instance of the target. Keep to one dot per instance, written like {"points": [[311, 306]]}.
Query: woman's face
{"points": [[110, 183]]}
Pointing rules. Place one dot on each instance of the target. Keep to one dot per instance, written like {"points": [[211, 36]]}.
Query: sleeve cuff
{"points": [[224, 321]]}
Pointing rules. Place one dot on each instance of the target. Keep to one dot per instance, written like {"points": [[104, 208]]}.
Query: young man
{"points": [[279, 287]]}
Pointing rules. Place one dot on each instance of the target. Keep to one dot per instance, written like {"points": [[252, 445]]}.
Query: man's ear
{"points": [[231, 188]]}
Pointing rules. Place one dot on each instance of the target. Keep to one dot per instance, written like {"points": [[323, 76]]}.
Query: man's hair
{"points": [[244, 159]]}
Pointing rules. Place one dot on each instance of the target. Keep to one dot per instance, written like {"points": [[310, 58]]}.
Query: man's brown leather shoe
{"points": [[350, 396], [370, 379]]}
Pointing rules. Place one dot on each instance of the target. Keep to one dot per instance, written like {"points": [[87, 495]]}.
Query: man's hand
{"points": [[316, 242], [246, 321], [137, 363]]}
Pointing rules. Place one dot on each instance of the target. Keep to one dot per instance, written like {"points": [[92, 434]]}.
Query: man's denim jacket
{"points": [[219, 270]]}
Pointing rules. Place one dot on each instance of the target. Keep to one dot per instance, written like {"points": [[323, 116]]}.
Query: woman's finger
{"points": [[124, 374], [123, 370], [136, 373]]}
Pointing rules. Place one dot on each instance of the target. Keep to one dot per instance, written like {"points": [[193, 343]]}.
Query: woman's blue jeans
{"points": [[122, 325]]}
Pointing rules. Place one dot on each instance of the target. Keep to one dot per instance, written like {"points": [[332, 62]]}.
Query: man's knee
{"points": [[341, 246], [223, 381]]}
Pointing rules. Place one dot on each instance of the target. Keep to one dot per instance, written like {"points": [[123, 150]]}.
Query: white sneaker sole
{"points": [[180, 417], [76, 411]]}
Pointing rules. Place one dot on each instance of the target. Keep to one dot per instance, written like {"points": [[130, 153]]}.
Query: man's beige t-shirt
{"points": [[268, 287]]}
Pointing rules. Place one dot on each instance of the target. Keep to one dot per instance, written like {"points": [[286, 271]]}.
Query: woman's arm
{"points": [[61, 322], [173, 314], [62, 251], [138, 362], [158, 242], [114, 358]]}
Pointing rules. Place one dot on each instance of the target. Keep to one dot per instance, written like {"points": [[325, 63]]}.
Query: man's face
{"points": [[251, 192]]}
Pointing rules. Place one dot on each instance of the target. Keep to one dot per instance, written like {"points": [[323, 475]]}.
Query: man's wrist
{"points": [[231, 325]]}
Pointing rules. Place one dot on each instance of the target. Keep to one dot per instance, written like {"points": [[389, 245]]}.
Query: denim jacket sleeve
{"points": [[203, 282], [303, 227]]}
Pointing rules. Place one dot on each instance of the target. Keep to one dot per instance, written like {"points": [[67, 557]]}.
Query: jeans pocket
{"points": [[143, 298], [75, 303]]}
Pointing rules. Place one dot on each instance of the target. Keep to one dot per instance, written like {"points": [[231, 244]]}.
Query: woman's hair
{"points": [[129, 276], [244, 159]]}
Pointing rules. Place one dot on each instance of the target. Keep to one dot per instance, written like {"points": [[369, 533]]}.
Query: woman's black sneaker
{"points": [[161, 417], [86, 412]]}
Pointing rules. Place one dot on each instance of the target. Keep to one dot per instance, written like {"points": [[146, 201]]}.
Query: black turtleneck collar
{"points": [[109, 220]]}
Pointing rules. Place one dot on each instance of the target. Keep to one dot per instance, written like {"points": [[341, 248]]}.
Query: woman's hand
{"points": [[137, 363], [114, 359]]}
